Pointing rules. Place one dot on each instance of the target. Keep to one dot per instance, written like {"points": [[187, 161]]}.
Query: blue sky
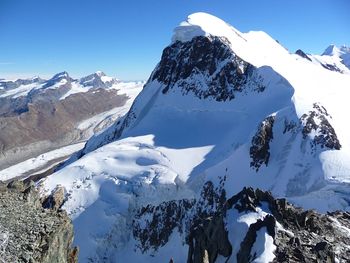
{"points": [[126, 38]]}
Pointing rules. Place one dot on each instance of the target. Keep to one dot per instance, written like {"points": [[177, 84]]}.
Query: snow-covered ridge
{"points": [[202, 24], [21, 88], [281, 128]]}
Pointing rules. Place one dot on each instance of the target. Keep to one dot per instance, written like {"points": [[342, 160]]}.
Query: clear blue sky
{"points": [[126, 38]]}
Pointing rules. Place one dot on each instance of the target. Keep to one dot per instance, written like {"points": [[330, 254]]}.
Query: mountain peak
{"points": [[62, 78], [100, 73], [61, 75], [331, 50], [98, 80], [202, 24], [342, 53]]}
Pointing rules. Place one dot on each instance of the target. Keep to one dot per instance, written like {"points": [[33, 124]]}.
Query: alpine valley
{"points": [[42, 122], [235, 150]]}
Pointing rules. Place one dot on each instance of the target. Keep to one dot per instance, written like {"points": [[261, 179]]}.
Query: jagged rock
{"points": [[225, 73], [316, 122], [208, 240], [56, 199], [298, 235], [260, 149], [34, 234], [302, 54], [165, 218], [331, 67]]}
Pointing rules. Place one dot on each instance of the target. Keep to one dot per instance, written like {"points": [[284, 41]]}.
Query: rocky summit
{"points": [[28, 232]]}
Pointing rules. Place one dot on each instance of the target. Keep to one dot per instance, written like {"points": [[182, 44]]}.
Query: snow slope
{"points": [[276, 122]]}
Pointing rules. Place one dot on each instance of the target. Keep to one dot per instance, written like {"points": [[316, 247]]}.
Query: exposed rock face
{"points": [[207, 67], [260, 149], [331, 67], [313, 125], [208, 240], [33, 234], [316, 122], [56, 199], [161, 225], [302, 54], [298, 235]]}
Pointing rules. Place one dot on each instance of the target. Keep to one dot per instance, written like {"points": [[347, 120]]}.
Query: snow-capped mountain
{"points": [[343, 52], [221, 111], [61, 82], [40, 116], [333, 58]]}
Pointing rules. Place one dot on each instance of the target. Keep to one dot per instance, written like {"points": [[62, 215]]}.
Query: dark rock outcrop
{"points": [[331, 67], [302, 54], [166, 217], [208, 240], [206, 67], [33, 234], [260, 149], [56, 199], [298, 235], [316, 122]]}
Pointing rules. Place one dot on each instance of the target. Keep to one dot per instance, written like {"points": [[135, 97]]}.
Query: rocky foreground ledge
{"points": [[30, 233]]}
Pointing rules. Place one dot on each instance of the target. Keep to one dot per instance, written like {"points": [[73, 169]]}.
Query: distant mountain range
{"points": [[37, 115], [333, 58]]}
